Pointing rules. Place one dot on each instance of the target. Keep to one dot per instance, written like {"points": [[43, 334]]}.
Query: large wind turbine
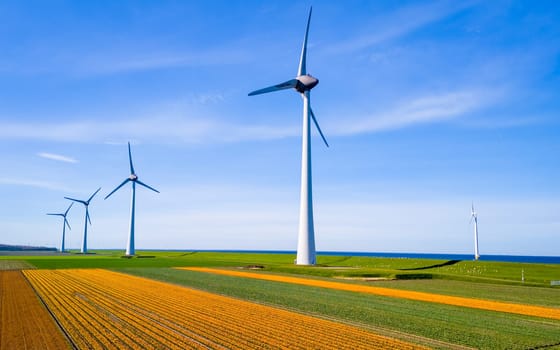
{"points": [[303, 83], [64, 224], [134, 179], [86, 204], [474, 219]]}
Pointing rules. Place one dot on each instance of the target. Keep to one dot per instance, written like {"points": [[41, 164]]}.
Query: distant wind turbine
{"points": [[86, 204], [303, 83], [64, 224], [474, 218], [134, 179]]}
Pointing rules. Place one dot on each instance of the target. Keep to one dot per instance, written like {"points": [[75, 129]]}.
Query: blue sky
{"points": [[427, 106]]}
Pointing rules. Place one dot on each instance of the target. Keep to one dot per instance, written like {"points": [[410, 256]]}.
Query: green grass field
{"points": [[328, 266], [436, 325]]}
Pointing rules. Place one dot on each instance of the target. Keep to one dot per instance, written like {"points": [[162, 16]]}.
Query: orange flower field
{"points": [[102, 309], [529, 310], [25, 323]]}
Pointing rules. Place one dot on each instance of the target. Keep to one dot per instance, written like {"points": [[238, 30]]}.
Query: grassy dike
{"points": [[436, 325]]}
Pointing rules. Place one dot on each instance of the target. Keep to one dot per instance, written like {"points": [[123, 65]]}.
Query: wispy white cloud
{"points": [[117, 61], [34, 183], [167, 130], [421, 110], [57, 157], [404, 20], [174, 128]]}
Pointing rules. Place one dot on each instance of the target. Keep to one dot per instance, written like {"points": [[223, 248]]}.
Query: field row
{"points": [[25, 323], [528, 310], [104, 309]]}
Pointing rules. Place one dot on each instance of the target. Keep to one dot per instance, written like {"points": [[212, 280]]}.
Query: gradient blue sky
{"points": [[427, 107]]}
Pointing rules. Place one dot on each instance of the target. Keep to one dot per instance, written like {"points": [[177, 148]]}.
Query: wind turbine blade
{"points": [[130, 159], [87, 216], [119, 186], [67, 224], [148, 187], [67, 210], [55, 214], [302, 69], [317, 125], [282, 86], [76, 200], [93, 195]]}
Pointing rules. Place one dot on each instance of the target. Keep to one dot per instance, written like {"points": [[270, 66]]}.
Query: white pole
{"points": [[63, 234], [130, 246], [84, 241], [476, 254], [306, 236]]}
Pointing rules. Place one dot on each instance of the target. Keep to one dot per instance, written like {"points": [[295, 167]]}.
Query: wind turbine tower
{"points": [[64, 224], [134, 179], [86, 204], [474, 218], [303, 83]]}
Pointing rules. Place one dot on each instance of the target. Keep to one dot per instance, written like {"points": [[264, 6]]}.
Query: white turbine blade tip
{"points": [[93, 195], [282, 86], [302, 70], [130, 159], [148, 187], [318, 127]]}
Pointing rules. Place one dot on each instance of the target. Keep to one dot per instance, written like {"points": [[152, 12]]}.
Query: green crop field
{"points": [[455, 325], [435, 325]]}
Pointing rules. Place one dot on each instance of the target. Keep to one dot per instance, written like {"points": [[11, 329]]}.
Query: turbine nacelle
{"points": [[306, 83], [133, 177]]}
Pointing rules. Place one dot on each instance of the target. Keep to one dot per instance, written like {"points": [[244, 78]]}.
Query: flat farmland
{"points": [[439, 326], [113, 312], [529, 310], [25, 323], [104, 309]]}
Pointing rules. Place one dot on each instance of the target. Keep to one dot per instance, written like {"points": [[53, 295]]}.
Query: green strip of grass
{"points": [[115, 259], [476, 328], [329, 266]]}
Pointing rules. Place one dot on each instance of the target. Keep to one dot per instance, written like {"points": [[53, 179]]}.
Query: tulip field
{"points": [[102, 309], [528, 310], [209, 300]]}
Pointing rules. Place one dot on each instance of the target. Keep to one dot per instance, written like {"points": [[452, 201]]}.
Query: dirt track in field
{"points": [[521, 309], [24, 321]]}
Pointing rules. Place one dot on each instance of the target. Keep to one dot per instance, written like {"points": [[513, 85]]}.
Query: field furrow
{"points": [[213, 323], [528, 310], [90, 324], [24, 321], [132, 312]]}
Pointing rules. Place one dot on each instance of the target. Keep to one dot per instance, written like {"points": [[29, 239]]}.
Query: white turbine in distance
{"points": [[64, 224], [86, 204], [303, 83], [134, 179], [474, 218]]}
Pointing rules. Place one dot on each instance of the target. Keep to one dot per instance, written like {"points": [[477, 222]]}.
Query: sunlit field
{"points": [[123, 313]]}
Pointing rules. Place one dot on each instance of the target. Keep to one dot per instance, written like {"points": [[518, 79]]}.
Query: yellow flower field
{"points": [[529, 310], [102, 309]]}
